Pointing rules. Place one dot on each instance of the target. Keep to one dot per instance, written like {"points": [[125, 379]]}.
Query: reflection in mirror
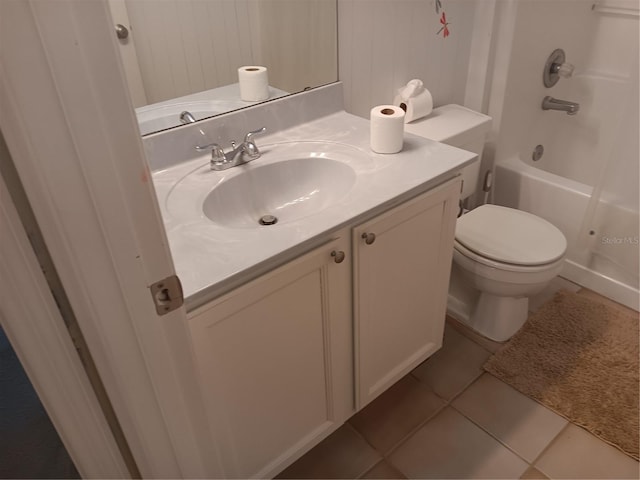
{"points": [[184, 55]]}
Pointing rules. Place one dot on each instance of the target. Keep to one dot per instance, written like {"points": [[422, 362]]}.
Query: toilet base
{"points": [[494, 317], [498, 318]]}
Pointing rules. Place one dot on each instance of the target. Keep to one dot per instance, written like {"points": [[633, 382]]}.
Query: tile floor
{"points": [[450, 419]]}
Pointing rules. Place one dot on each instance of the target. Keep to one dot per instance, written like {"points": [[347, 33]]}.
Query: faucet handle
{"points": [[249, 136], [217, 154], [251, 150], [207, 147]]}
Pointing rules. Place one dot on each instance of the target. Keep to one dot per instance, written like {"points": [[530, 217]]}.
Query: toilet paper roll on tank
{"points": [[415, 100]]}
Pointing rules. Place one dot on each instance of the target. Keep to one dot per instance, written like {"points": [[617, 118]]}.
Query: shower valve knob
{"points": [[556, 68], [565, 70]]}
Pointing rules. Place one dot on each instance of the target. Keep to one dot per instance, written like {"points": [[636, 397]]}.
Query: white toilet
{"points": [[501, 256]]}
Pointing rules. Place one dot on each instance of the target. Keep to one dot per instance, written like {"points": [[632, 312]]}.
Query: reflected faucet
{"points": [[550, 103], [240, 154], [186, 117]]}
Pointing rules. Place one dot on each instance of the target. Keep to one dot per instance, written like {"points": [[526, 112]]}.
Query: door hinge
{"points": [[167, 294]]}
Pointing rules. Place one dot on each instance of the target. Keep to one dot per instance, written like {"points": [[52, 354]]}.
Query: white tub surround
{"points": [[211, 259], [590, 162]]}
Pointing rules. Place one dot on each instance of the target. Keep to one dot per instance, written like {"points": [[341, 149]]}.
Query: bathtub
{"points": [[604, 257], [586, 181]]}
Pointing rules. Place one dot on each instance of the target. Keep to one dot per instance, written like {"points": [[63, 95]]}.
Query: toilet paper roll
{"points": [[387, 129], [254, 83], [418, 106]]}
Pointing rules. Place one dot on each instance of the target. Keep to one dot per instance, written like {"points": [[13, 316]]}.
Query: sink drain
{"points": [[268, 220]]}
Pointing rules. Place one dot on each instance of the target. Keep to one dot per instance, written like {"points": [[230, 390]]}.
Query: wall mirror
{"points": [[184, 55]]}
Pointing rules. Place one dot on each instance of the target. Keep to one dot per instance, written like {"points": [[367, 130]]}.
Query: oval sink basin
{"points": [[287, 190]]}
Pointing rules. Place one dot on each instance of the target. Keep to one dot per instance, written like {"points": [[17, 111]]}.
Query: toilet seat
{"points": [[484, 264], [507, 238]]}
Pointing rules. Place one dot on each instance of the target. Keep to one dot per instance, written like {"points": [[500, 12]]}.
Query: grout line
{"points": [[532, 463], [412, 431], [395, 468], [464, 389], [355, 430], [480, 426], [494, 437], [374, 466], [446, 403], [547, 448]]}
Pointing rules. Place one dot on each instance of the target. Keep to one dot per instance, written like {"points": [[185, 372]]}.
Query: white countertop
{"points": [[210, 259]]}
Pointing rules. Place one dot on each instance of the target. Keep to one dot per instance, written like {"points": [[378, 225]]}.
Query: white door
{"points": [[37, 334], [128, 53], [69, 125]]}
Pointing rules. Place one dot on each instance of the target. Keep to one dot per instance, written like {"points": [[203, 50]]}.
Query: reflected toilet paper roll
{"points": [[387, 128], [254, 83]]}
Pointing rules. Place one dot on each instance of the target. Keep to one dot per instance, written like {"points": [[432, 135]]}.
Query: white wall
{"points": [[385, 43], [186, 46]]}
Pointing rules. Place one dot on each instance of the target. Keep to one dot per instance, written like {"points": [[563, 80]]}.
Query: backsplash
{"points": [[382, 45]]}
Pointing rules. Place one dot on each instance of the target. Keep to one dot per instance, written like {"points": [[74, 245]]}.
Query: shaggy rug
{"points": [[579, 357]]}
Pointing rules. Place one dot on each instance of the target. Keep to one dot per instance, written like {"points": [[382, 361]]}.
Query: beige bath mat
{"points": [[579, 357]]}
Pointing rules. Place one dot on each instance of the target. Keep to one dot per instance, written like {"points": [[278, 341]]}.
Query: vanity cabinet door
{"points": [[402, 262], [274, 359]]}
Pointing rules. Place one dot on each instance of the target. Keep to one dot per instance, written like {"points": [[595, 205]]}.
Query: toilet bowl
{"points": [[507, 256], [501, 256]]}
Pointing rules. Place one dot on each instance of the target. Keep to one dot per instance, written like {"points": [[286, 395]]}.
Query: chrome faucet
{"points": [[186, 117], [238, 155], [550, 103]]}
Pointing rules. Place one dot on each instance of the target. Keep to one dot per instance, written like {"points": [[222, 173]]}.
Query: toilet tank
{"points": [[459, 127]]}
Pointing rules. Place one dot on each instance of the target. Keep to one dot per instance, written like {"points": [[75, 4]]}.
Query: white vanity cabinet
{"points": [[274, 360], [275, 357], [402, 262]]}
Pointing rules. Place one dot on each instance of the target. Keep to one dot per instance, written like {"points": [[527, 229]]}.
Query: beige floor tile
{"points": [[533, 474], [451, 446], [558, 283], [520, 423], [471, 334], [395, 413], [454, 366], [383, 470], [343, 454], [575, 453]]}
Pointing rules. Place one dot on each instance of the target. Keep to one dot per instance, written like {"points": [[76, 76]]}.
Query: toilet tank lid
{"points": [[510, 236], [446, 122]]}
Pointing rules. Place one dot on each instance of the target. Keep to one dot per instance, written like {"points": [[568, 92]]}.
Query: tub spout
{"points": [[186, 117], [550, 103]]}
